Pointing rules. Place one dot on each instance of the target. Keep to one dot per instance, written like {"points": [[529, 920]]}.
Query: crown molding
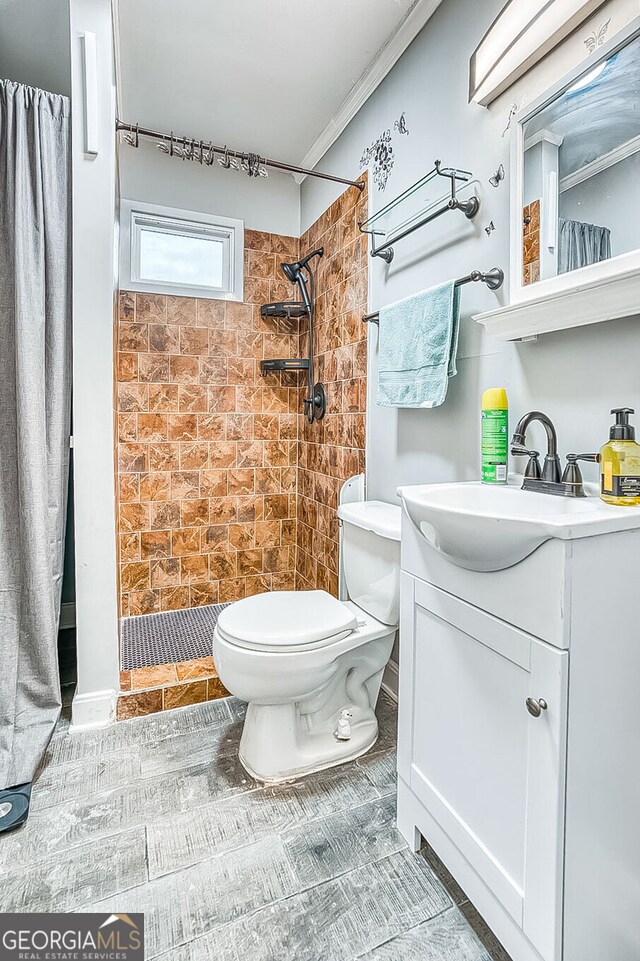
{"points": [[388, 55]]}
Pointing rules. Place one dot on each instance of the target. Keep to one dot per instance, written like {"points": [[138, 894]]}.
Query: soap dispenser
{"points": [[620, 463]]}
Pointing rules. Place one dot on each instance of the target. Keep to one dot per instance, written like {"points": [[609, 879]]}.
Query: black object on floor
{"points": [[169, 637], [14, 806]]}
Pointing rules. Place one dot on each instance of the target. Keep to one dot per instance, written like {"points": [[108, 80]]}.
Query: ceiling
{"points": [[34, 44], [261, 76]]}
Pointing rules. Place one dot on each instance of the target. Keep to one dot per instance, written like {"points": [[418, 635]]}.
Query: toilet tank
{"points": [[371, 557]]}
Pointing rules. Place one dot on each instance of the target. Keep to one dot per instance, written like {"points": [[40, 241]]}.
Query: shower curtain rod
{"points": [[135, 130]]}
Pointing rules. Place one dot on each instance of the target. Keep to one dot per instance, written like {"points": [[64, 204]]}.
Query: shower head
{"points": [[292, 271]]}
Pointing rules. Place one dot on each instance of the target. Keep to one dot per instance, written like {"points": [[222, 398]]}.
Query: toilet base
{"points": [[286, 740], [297, 752], [307, 709]]}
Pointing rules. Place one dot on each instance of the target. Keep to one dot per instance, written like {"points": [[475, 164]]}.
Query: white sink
{"points": [[488, 528]]}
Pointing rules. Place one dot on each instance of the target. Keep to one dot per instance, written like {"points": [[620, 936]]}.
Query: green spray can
{"points": [[495, 436]]}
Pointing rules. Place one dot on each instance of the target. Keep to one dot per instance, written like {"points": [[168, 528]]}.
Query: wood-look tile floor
{"points": [[157, 815]]}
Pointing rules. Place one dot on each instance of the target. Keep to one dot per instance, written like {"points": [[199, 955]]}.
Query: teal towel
{"points": [[418, 343]]}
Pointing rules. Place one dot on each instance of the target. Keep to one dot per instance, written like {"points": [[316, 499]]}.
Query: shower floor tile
{"points": [[152, 640], [157, 815]]}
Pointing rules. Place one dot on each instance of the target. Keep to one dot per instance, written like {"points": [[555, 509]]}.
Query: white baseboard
{"points": [[390, 680], [96, 709], [67, 616]]}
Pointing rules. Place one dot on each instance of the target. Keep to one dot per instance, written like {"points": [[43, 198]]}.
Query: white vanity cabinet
{"points": [[512, 739]]}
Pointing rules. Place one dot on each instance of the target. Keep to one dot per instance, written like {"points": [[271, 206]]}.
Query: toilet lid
{"points": [[286, 620]]}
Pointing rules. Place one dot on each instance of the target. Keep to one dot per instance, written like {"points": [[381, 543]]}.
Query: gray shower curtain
{"points": [[581, 244], [35, 401]]}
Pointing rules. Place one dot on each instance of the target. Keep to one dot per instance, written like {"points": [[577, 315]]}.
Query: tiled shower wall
{"points": [[332, 450], [214, 461], [207, 447], [531, 243]]}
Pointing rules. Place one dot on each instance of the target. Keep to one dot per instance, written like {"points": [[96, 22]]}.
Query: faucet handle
{"points": [[572, 458], [572, 474], [532, 470]]}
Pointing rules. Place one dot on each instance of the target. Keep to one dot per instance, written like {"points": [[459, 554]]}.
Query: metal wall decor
{"points": [[498, 177], [596, 39], [400, 125], [489, 228], [380, 152]]}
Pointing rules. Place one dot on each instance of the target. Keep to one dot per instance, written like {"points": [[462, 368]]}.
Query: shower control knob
{"points": [[535, 706]]}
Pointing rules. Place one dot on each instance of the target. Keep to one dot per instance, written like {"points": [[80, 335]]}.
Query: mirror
{"points": [[581, 171]]}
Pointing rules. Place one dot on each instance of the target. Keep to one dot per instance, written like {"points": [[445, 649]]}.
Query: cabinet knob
{"points": [[535, 706]]}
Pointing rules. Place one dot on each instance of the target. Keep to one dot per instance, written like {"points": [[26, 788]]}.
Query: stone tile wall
{"points": [[206, 447], [332, 450], [146, 690], [531, 243], [223, 488]]}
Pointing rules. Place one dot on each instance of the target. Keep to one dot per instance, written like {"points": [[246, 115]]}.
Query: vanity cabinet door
{"points": [[489, 771]]}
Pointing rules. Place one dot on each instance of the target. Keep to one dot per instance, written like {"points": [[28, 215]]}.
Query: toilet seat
{"points": [[286, 621]]}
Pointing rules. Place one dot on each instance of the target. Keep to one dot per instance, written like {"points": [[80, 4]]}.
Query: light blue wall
{"points": [[34, 44], [575, 376], [148, 176]]}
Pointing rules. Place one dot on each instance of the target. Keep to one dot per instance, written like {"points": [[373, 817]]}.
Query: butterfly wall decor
{"points": [[497, 177], [596, 39], [400, 125], [489, 228]]}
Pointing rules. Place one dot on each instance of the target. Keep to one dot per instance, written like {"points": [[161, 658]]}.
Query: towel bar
{"points": [[493, 278]]}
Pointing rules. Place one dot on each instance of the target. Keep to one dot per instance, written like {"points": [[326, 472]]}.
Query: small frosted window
{"points": [[177, 258], [180, 252]]}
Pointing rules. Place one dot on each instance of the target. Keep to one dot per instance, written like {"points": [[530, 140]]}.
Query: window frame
{"points": [[135, 215]]}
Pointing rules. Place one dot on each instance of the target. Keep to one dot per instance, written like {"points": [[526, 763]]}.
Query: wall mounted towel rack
{"points": [[416, 207], [493, 278]]}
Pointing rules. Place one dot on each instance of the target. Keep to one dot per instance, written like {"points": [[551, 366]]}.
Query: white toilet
{"points": [[310, 666]]}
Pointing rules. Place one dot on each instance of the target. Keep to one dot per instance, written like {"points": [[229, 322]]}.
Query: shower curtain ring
{"points": [[130, 138]]}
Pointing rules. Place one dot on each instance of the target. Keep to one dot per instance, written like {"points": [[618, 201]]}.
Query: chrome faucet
{"points": [[548, 480]]}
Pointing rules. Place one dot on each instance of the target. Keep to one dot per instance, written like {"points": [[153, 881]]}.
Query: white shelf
{"points": [[591, 302]]}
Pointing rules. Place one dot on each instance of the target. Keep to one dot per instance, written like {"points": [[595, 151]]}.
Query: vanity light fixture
{"points": [[522, 33]]}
